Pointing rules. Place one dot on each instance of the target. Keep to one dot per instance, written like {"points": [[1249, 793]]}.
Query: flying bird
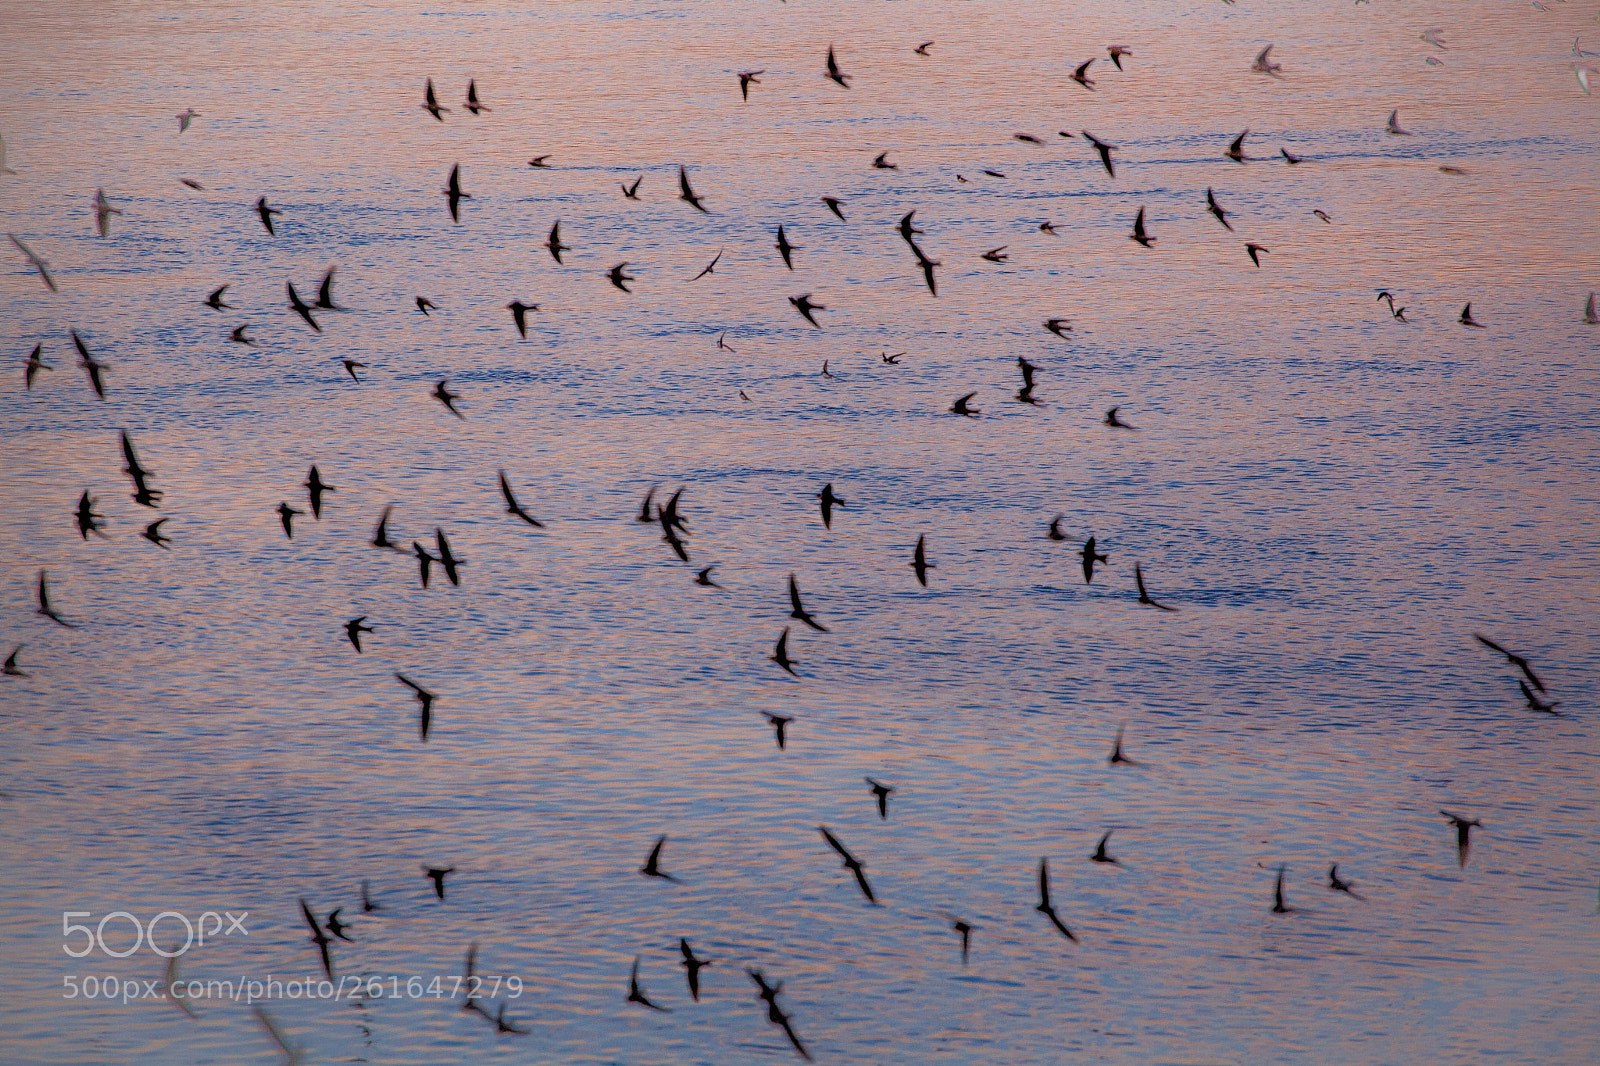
{"points": [[1339, 884], [1393, 127], [11, 669], [353, 630], [90, 365], [636, 994], [881, 792], [44, 607], [446, 559], [265, 213], [472, 97], [850, 863], [152, 533], [1264, 65], [960, 407], [834, 74], [1139, 233], [1216, 209], [922, 49], [424, 723], [688, 194], [38, 262], [1322, 215], [829, 502], [300, 307], [430, 102], [1255, 251], [965, 930], [1278, 906], [1466, 318], [554, 242], [286, 516], [1290, 158], [1081, 75], [143, 494], [88, 520], [780, 655], [1059, 326], [920, 564], [103, 212], [769, 995], [632, 191], [538, 162], [1090, 557], [380, 535], [325, 293], [804, 305], [833, 205], [515, 508], [617, 276], [1117, 51], [711, 268], [748, 78], [996, 255], [881, 162], [214, 301], [1100, 854], [425, 305], [784, 248], [1113, 421], [185, 118], [436, 873], [1235, 150], [454, 194], [797, 609], [1054, 532], [1117, 758], [1144, 597], [1537, 704], [652, 865], [1104, 149], [1514, 659], [519, 315], [238, 336], [1589, 317], [448, 398], [692, 967], [319, 938], [315, 487], [926, 265], [703, 577], [1045, 907]]}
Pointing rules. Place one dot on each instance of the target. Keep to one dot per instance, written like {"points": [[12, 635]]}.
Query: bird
{"points": [[1059, 326], [1045, 907], [1466, 318], [1582, 71], [45, 608], [1322, 215], [1235, 150], [797, 609], [1054, 532], [1081, 75], [833, 73], [472, 97], [1339, 884], [1589, 317], [692, 967], [315, 487], [1433, 37], [784, 248], [430, 102], [11, 669], [425, 562], [632, 191], [703, 577], [1113, 421], [779, 723], [636, 994], [88, 520], [687, 195], [7, 170], [922, 49], [1394, 125], [513, 507], [214, 301], [1047, 227], [503, 1026], [437, 873], [1144, 597], [769, 995], [1264, 65], [152, 533], [711, 268], [380, 535], [833, 205], [1027, 369], [300, 307], [1278, 906], [881, 792], [965, 930], [286, 516], [90, 365], [185, 118], [920, 564], [881, 162], [1289, 157], [652, 865], [1117, 51], [670, 535], [1139, 233], [318, 937], [1116, 758], [1090, 557], [424, 304], [266, 214], [850, 863], [454, 194], [238, 337], [1255, 251], [617, 276], [143, 494], [1216, 209], [892, 360], [780, 655], [829, 502], [325, 293], [996, 255], [646, 514], [448, 398], [994, 173], [554, 242], [38, 262], [1537, 704], [1464, 827], [1100, 854], [353, 630], [446, 559], [103, 212], [519, 315], [366, 900], [336, 927], [960, 407], [538, 162], [826, 372], [748, 78], [1104, 149], [424, 723], [805, 306], [907, 229], [192, 184], [926, 265]]}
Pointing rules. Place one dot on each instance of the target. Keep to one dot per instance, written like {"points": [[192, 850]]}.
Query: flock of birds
{"points": [[665, 514]]}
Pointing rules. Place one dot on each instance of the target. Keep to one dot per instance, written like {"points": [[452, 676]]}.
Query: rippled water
{"points": [[1333, 501]]}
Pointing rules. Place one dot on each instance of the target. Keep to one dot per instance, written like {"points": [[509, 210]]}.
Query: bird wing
{"points": [[833, 842]]}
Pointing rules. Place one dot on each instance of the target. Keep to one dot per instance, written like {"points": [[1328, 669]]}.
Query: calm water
{"points": [[1333, 500]]}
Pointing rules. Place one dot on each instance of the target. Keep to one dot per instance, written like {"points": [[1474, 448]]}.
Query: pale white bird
{"points": [[1433, 38], [1583, 70], [187, 117], [103, 212], [1394, 124], [39, 262]]}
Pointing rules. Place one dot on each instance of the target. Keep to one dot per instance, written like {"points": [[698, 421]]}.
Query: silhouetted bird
{"points": [[1255, 251], [1081, 75], [1054, 532], [632, 191], [704, 578], [692, 967], [833, 205], [1235, 150], [315, 487], [1116, 757], [1045, 907], [49, 612], [1467, 319], [881, 162], [448, 398], [769, 995], [834, 74], [804, 305], [266, 214], [960, 407], [35, 364], [143, 494], [424, 304], [798, 611], [1278, 906], [1100, 854], [1216, 209], [336, 927], [447, 560], [1117, 51], [1139, 235], [554, 242], [319, 938], [513, 507], [90, 365], [687, 194], [11, 669], [424, 723], [784, 248], [652, 865], [366, 900], [430, 102], [425, 562], [780, 655], [152, 533], [926, 265], [636, 994], [881, 792], [437, 873], [88, 520], [850, 863], [1516, 660], [1059, 326], [454, 193], [286, 516], [472, 97], [519, 315], [1144, 597], [780, 722], [965, 930], [380, 535], [1464, 827], [617, 276], [1104, 149], [710, 268], [353, 629], [1338, 884], [829, 502], [1089, 559], [920, 564], [748, 78], [1537, 704]]}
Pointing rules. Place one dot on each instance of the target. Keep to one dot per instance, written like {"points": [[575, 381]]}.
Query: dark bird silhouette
{"points": [[1045, 907], [424, 723], [448, 398], [780, 655], [692, 967], [703, 577], [1464, 827], [425, 562], [920, 564], [1116, 52], [472, 97], [881, 792], [747, 78], [1100, 854], [797, 609], [632, 191], [238, 337], [1278, 906], [1537, 704], [1059, 326], [513, 507], [519, 315], [35, 364], [670, 534], [192, 184], [152, 533], [825, 371], [91, 366], [554, 242], [1116, 757], [437, 873], [636, 994], [424, 305], [430, 102], [538, 162], [1144, 597], [829, 502], [315, 487], [1027, 369], [1216, 209], [266, 214], [892, 360], [325, 293], [1089, 559], [780, 722], [504, 1026], [652, 865], [1081, 75], [994, 173], [881, 162], [48, 611], [833, 205], [1054, 532], [1515, 660], [88, 520], [447, 560], [380, 535], [850, 863], [769, 995], [1139, 233], [300, 307], [617, 276], [11, 669], [926, 265], [336, 927], [687, 194], [646, 512], [669, 513], [214, 301], [784, 248], [143, 494], [1290, 158], [286, 516], [1113, 421], [1467, 319], [834, 74], [965, 929], [711, 268], [804, 305], [367, 904], [353, 629], [1235, 150], [907, 230], [1047, 227], [960, 407], [1322, 215], [319, 938], [454, 193], [1104, 149], [922, 49], [1339, 884], [996, 255], [1255, 251]]}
